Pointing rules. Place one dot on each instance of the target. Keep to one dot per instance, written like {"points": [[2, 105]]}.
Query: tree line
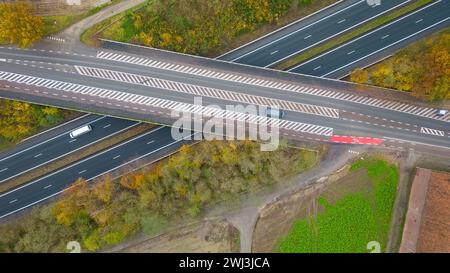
{"points": [[108, 211], [422, 69], [197, 26]]}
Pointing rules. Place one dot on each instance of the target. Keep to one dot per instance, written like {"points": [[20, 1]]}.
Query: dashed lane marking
{"points": [[253, 80], [166, 104], [206, 91]]}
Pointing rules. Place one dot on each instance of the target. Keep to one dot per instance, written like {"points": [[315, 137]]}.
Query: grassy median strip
{"points": [[66, 160], [297, 59]]}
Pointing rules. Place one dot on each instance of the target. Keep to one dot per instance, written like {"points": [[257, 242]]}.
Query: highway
{"points": [[338, 61], [303, 34], [151, 145], [126, 89], [59, 146], [368, 122]]}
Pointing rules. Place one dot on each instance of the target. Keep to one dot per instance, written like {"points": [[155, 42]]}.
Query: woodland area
{"points": [[197, 26], [422, 69], [19, 25], [20, 119], [107, 211]]}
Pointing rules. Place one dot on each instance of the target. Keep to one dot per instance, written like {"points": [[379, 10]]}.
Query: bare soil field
{"points": [[276, 219], [209, 236], [434, 233]]}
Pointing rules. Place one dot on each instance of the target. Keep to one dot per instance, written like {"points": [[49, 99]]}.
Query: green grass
{"points": [[54, 24], [351, 35], [108, 25], [353, 220]]}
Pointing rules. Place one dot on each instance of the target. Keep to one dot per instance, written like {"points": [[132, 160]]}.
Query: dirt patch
{"points": [[276, 219], [209, 236], [434, 233]]}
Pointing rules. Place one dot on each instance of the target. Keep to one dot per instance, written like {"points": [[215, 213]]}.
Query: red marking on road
{"points": [[356, 140]]}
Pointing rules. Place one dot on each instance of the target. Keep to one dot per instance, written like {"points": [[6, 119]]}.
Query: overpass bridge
{"points": [[148, 84]]}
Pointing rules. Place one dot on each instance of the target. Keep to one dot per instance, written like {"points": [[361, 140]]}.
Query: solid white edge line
{"points": [[60, 125], [81, 161], [72, 151], [364, 35], [298, 30], [381, 49], [336, 34], [415, 142], [50, 196], [282, 28], [43, 142]]}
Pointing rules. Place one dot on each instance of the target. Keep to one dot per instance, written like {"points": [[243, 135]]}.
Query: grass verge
{"points": [[349, 222], [89, 36], [90, 150], [54, 24], [351, 35]]}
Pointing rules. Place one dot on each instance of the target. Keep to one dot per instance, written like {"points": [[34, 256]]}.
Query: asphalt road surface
{"points": [[33, 195], [59, 146], [176, 87], [302, 35], [333, 62], [150, 145]]}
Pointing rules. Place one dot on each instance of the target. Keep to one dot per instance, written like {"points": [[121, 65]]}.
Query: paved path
{"points": [[245, 215], [71, 35]]}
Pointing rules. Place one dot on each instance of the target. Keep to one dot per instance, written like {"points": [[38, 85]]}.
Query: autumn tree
{"points": [[19, 25], [359, 76]]}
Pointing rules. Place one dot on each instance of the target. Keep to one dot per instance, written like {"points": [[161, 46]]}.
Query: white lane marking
{"points": [[341, 21], [318, 67], [3, 170], [351, 52], [337, 34], [13, 201], [77, 149], [38, 155], [116, 157], [83, 171], [150, 142], [43, 142], [418, 21], [381, 49], [203, 91], [46, 187], [298, 30], [430, 131], [73, 140], [307, 37], [365, 35], [385, 36], [106, 126], [2, 60], [279, 29], [273, 52], [88, 179]]}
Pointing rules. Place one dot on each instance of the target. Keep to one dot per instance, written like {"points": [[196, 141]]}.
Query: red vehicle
{"points": [[356, 140]]}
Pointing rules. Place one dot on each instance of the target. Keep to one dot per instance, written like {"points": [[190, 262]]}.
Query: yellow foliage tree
{"points": [[359, 76], [19, 25]]}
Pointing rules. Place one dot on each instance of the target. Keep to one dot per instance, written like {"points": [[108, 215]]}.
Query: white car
{"points": [[80, 131], [441, 112]]}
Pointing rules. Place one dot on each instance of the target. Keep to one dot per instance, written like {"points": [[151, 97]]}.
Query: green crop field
{"points": [[353, 220]]}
